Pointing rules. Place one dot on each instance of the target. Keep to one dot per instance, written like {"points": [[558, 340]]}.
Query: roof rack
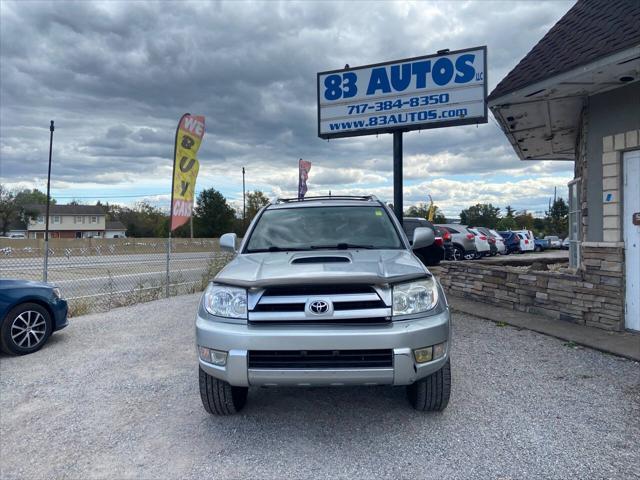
{"points": [[327, 197]]}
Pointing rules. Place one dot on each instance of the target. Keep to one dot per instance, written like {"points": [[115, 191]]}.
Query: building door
{"points": [[631, 227]]}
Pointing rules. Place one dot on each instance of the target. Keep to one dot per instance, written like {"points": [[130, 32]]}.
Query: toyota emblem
{"points": [[319, 307]]}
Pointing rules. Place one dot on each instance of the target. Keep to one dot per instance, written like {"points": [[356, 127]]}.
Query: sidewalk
{"points": [[622, 344]]}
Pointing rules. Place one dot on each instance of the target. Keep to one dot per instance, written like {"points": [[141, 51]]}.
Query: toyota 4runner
{"points": [[324, 291]]}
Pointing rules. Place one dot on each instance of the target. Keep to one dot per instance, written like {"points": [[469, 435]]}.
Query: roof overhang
{"points": [[542, 120]]}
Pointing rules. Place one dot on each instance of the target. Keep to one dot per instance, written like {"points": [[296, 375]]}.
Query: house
{"points": [[576, 97], [68, 221], [115, 229]]}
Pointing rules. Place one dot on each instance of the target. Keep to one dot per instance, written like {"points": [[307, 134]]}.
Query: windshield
{"points": [[324, 227]]}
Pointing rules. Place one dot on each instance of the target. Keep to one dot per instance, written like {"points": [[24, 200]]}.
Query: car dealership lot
{"points": [[115, 395]]}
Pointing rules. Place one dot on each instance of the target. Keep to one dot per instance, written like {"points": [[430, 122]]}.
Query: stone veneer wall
{"points": [[593, 296]]}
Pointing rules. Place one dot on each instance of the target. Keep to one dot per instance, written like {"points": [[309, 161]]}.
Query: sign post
{"points": [[432, 91], [45, 272], [397, 175]]}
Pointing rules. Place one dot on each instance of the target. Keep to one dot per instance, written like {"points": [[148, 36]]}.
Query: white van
{"points": [[527, 243]]}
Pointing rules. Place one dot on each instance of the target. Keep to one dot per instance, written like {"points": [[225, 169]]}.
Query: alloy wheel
{"points": [[28, 329]]}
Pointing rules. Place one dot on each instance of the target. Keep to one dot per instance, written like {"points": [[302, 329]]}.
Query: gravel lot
{"points": [[115, 396]]}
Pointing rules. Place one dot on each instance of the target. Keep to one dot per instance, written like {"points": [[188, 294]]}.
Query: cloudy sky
{"points": [[116, 76]]}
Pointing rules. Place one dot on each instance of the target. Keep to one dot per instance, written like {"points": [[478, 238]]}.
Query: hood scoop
{"points": [[321, 259]]}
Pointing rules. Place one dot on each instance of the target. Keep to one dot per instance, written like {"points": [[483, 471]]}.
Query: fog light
{"points": [[438, 350], [213, 356], [423, 355]]}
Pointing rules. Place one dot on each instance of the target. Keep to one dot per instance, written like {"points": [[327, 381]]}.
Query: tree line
{"points": [[555, 221], [213, 216]]}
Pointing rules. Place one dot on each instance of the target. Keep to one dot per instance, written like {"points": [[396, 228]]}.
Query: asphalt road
{"points": [[115, 396], [87, 276]]}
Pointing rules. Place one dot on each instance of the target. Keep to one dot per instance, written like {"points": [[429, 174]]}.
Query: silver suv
{"points": [[324, 292]]}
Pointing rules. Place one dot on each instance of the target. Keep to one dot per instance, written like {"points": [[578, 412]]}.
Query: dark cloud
{"points": [[116, 76]]}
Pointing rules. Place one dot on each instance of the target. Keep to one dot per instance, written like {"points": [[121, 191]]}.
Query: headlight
{"points": [[414, 297], [56, 292], [225, 301]]}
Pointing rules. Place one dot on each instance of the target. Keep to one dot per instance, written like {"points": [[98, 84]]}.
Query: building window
{"points": [[575, 230], [57, 219], [94, 219], [79, 219], [40, 219]]}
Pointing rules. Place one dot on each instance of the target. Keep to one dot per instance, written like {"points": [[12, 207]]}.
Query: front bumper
{"points": [[60, 310], [400, 336]]}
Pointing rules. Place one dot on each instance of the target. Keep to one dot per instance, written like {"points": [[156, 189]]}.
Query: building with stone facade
{"points": [[576, 97]]}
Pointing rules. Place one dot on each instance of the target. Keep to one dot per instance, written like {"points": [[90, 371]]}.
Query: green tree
{"points": [[143, 220], [8, 209], [557, 218], [539, 226], [506, 223], [421, 210], [255, 201], [524, 220], [480, 215], [510, 211], [16, 207], [213, 215]]}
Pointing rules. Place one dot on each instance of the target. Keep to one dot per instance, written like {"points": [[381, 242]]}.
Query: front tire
{"points": [[220, 398], [25, 329], [431, 394]]}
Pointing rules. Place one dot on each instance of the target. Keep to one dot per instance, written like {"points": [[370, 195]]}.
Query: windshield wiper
{"points": [[340, 246], [273, 248]]}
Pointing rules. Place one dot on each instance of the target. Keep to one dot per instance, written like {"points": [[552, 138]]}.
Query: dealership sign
{"points": [[417, 93]]}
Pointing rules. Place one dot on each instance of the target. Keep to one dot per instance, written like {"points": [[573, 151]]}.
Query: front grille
{"points": [[309, 359], [358, 305], [348, 304]]}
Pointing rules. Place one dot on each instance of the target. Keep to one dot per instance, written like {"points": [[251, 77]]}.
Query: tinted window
{"points": [[452, 230], [315, 227], [410, 226]]}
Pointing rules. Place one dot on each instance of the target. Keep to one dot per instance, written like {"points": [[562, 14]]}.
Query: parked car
{"points": [[338, 300], [496, 242], [554, 242], [434, 253], [446, 241], [526, 245], [502, 249], [511, 241], [540, 244], [30, 312], [565, 244], [462, 241], [483, 247]]}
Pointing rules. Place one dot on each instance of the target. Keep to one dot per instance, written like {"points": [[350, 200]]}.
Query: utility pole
{"points": [[46, 228], [244, 202], [397, 175]]}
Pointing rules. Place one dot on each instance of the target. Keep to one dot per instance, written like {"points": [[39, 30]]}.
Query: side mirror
{"points": [[422, 237], [228, 242]]}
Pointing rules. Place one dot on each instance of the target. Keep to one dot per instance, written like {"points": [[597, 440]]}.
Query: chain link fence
{"points": [[101, 274]]}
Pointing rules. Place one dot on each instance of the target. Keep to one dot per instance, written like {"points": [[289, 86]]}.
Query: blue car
{"points": [[29, 313], [541, 244], [511, 241]]}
